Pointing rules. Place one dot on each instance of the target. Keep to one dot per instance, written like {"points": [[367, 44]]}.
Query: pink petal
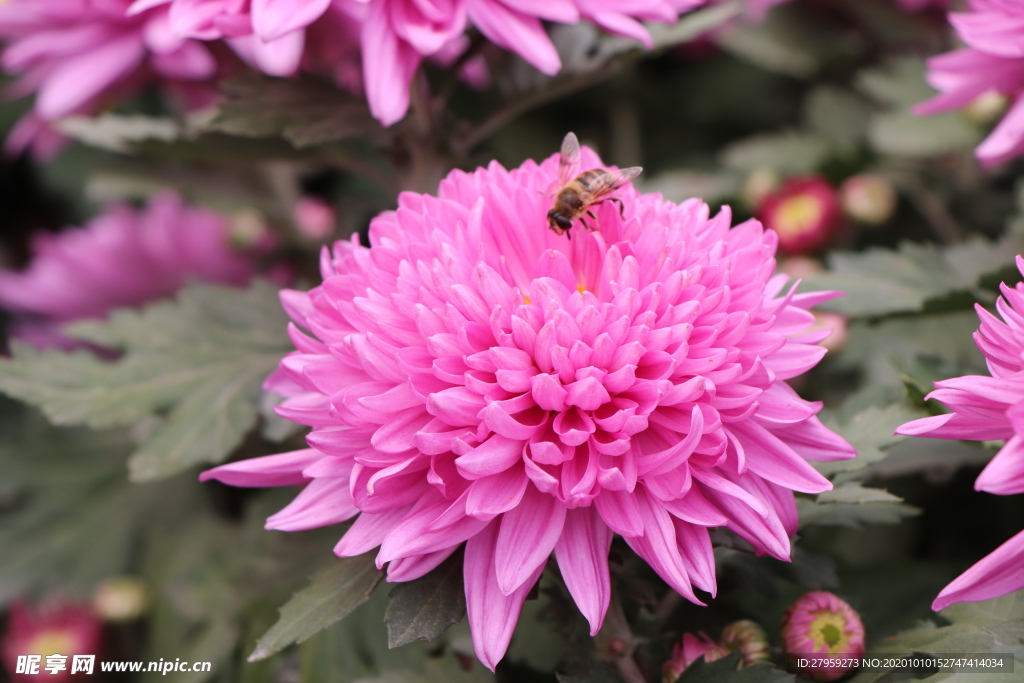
{"points": [[388, 67], [368, 531], [284, 469], [998, 573], [492, 614], [76, 82], [527, 536], [582, 554], [321, 503], [1004, 475], [659, 546], [272, 19]]}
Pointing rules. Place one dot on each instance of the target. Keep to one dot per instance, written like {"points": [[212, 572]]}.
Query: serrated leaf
{"points": [[882, 281], [852, 515], [855, 493], [903, 133], [197, 363], [870, 432], [424, 609], [986, 627], [119, 133], [724, 671], [304, 111], [332, 595], [786, 152]]}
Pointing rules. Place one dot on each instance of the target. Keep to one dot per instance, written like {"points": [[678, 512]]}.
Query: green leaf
{"points": [[837, 115], [906, 134], [987, 627], [424, 609], [724, 671], [784, 43], [881, 281], [333, 594], [900, 83], [857, 494], [305, 111], [119, 133], [852, 515], [196, 364], [786, 152], [870, 432], [67, 515]]}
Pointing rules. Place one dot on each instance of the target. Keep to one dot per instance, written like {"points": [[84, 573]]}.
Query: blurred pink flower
{"points": [[987, 409], [125, 257], [689, 649], [804, 212], [992, 61], [474, 377], [395, 36], [64, 628], [77, 55], [823, 624]]}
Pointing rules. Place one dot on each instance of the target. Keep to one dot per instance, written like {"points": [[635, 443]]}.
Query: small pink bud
{"points": [[687, 651], [120, 598], [987, 107], [314, 218], [869, 199], [62, 628], [801, 266], [824, 625], [834, 322], [804, 213], [758, 185], [249, 231], [749, 638]]}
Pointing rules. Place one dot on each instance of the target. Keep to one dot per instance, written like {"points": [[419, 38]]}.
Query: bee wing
{"points": [[569, 160], [613, 180]]}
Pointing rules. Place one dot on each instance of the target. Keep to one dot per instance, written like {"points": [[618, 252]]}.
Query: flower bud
{"points": [[821, 624], [869, 199], [120, 598], [759, 184], [249, 230], [314, 218], [804, 213], [801, 266], [749, 638], [987, 107], [63, 628], [687, 651], [836, 324]]}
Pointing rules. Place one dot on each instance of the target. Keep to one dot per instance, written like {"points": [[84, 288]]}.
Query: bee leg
{"points": [[589, 227]]}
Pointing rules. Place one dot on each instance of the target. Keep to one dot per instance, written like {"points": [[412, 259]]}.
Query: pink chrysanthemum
{"points": [[988, 409], [993, 61], [475, 378], [125, 257], [76, 55], [823, 624], [65, 628]]}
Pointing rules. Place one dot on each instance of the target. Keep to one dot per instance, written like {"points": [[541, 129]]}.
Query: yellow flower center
{"points": [[52, 643], [798, 215], [829, 630]]}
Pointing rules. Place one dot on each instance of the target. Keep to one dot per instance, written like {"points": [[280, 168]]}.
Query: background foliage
{"points": [[100, 455]]}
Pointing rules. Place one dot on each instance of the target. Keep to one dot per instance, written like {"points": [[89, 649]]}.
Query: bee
{"points": [[578, 193]]}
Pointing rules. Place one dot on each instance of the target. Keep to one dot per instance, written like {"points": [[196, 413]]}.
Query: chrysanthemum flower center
{"points": [[51, 643], [798, 215], [829, 630]]}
